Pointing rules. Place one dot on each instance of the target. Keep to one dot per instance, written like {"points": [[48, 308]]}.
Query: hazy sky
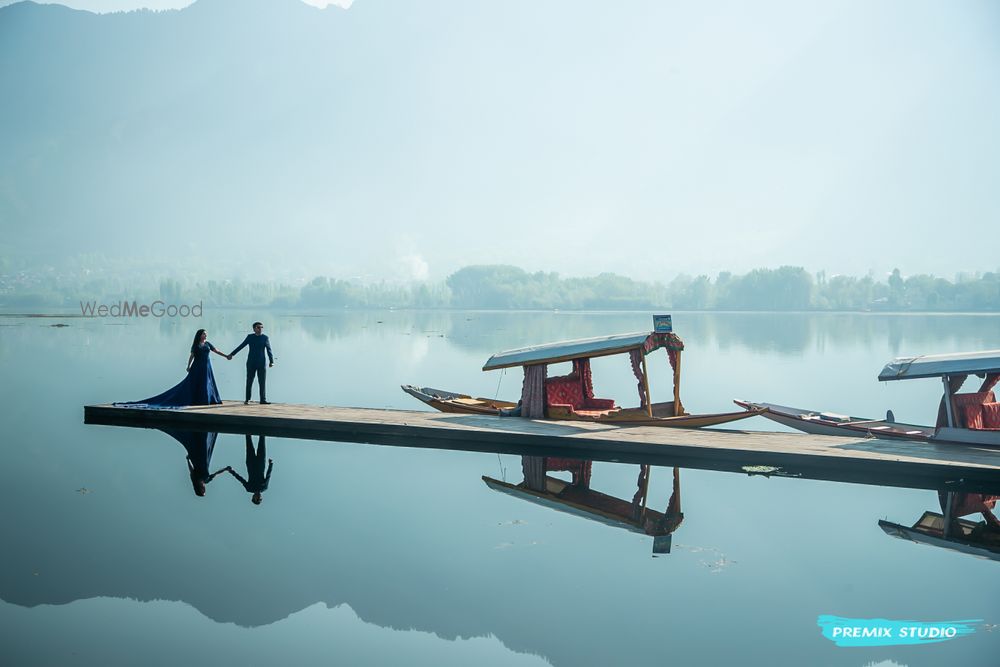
{"points": [[647, 138], [102, 6]]}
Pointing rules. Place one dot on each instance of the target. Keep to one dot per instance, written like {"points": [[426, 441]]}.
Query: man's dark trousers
{"points": [[261, 373]]}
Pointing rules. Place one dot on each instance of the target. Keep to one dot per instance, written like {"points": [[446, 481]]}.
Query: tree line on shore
{"points": [[503, 287]]}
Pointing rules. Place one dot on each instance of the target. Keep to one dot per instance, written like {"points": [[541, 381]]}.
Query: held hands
{"points": [[229, 357]]}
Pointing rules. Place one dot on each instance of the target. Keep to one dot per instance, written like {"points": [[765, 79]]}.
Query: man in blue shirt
{"points": [[258, 343]]}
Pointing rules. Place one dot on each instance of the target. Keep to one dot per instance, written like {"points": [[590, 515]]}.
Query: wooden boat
{"points": [[571, 397], [949, 532], [965, 418], [929, 530], [446, 401], [827, 423], [577, 498]]}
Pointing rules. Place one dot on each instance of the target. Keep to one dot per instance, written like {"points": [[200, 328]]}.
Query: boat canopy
{"points": [[584, 348], [938, 365]]}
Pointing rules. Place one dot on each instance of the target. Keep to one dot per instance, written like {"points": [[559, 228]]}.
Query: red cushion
{"points": [[599, 403], [991, 415]]}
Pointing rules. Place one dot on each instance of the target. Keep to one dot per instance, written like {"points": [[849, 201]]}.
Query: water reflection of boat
{"points": [[968, 418], [948, 531], [576, 497], [571, 397]]}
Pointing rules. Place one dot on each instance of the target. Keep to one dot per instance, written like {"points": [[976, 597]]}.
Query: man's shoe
{"points": [[265, 402], [246, 402]]}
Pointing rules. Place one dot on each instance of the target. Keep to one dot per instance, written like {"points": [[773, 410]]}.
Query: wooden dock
{"points": [[867, 460]]}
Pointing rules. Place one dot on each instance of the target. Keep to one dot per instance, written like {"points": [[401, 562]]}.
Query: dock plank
{"points": [[866, 460]]}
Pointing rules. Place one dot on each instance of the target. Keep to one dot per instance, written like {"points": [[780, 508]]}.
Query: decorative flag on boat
{"points": [[662, 324]]}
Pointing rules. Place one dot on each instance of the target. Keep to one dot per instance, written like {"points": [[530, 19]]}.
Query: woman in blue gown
{"points": [[198, 387]]}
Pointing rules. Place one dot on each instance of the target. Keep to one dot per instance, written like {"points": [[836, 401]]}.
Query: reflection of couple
{"points": [[257, 480], [200, 446], [199, 387]]}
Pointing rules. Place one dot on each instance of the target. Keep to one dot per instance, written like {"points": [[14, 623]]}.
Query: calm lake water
{"points": [[364, 554]]}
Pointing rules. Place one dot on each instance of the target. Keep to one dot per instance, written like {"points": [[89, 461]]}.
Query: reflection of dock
{"points": [[902, 463]]}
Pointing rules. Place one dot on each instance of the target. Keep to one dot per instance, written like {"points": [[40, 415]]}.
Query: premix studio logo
{"points": [[885, 632]]}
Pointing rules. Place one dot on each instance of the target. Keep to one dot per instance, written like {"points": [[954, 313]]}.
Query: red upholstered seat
{"points": [[991, 416]]}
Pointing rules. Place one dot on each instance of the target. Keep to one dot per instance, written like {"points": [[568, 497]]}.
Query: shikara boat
{"points": [[966, 418], [577, 498], [949, 532], [571, 397]]}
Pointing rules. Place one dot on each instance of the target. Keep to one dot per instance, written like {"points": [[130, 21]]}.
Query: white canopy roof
{"points": [[937, 365], [567, 349]]}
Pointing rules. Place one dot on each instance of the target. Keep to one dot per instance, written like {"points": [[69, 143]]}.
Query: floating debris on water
{"points": [[767, 471], [760, 470]]}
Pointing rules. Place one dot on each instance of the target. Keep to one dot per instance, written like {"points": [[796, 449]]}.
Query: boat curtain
{"points": [[581, 368], [533, 392], [657, 340], [964, 504], [989, 382], [672, 356], [533, 468], [672, 515], [635, 356], [955, 383], [639, 499], [581, 469]]}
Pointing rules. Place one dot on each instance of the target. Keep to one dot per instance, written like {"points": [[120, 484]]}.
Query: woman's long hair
{"points": [[197, 338], [197, 480]]}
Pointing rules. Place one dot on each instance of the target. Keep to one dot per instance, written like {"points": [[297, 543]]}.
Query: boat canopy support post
{"points": [[646, 472], [948, 509], [645, 387], [677, 491], [949, 408], [677, 385]]}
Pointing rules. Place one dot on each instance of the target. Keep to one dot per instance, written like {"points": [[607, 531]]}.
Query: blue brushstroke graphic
{"points": [[885, 632]]}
